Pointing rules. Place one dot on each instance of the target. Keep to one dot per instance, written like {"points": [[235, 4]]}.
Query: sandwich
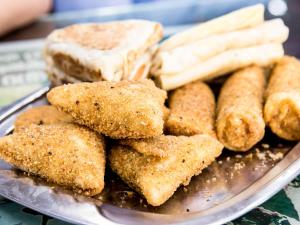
{"points": [[113, 51]]}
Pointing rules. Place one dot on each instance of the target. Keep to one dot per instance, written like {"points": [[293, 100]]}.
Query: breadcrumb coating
{"points": [[282, 108], [65, 154], [192, 110], [158, 178], [157, 146], [240, 123], [40, 115], [125, 109]]}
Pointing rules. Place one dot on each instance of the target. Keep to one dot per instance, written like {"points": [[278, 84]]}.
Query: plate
{"points": [[230, 187]]}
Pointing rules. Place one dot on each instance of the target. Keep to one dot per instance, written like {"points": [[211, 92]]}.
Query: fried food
{"points": [[223, 63], [157, 178], [192, 110], [126, 109], [282, 108], [40, 115], [240, 123], [65, 154], [157, 146]]}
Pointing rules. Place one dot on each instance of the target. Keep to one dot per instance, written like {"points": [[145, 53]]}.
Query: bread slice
{"points": [[107, 51]]}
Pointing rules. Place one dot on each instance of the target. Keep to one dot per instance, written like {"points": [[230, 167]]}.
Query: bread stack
{"points": [[220, 46]]}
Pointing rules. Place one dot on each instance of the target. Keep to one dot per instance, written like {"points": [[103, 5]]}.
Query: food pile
{"points": [[147, 110]]}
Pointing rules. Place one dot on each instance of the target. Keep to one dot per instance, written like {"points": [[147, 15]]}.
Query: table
{"points": [[283, 208]]}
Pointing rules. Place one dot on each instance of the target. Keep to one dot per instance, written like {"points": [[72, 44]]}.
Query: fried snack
{"points": [[229, 61], [157, 146], [180, 59], [126, 109], [282, 108], [158, 178], [65, 154], [236, 20], [240, 123], [40, 115], [192, 110]]}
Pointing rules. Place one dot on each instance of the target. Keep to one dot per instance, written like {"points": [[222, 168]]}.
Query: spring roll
{"points": [[192, 110], [157, 178], [240, 123], [282, 108]]}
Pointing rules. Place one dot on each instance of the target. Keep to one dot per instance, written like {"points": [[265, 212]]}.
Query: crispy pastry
{"points": [[103, 51], [40, 115], [192, 110], [157, 178], [282, 108], [240, 123], [126, 109], [65, 154]]}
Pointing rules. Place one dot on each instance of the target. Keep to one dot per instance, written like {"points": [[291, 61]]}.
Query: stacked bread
{"points": [[220, 46]]}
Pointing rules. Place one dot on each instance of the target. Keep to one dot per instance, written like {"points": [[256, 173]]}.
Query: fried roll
{"points": [[192, 110], [240, 123], [282, 108]]}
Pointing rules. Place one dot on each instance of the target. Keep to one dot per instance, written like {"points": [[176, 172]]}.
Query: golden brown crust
{"points": [[126, 109], [158, 178], [157, 146], [282, 108], [192, 110], [40, 115], [66, 154], [240, 123]]}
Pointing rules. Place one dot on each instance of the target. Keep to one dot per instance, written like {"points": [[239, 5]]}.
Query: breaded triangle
{"points": [[157, 146], [125, 109], [40, 115], [158, 178], [65, 154]]}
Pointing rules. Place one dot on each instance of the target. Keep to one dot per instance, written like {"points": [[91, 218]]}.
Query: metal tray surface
{"points": [[230, 187]]}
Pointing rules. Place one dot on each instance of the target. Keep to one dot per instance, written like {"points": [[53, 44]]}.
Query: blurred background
{"points": [[24, 25]]}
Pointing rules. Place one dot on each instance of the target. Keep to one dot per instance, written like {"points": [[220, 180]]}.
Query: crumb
{"points": [[214, 179], [239, 165], [265, 146], [238, 156], [220, 162], [249, 156], [275, 156]]}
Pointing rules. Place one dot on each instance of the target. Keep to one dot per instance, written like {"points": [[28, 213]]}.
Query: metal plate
{"points": [[230, 187]]}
